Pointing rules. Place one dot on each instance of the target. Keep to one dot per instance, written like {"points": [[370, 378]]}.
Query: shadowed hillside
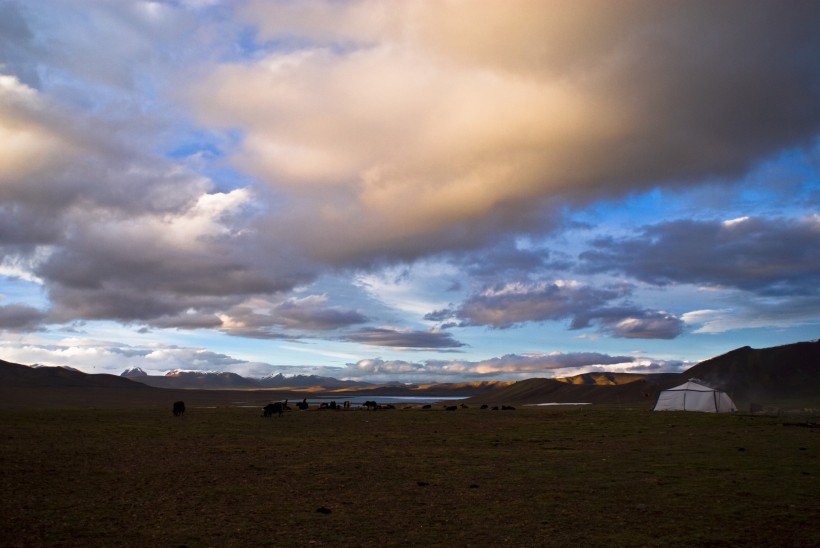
{"points": [[781, 373], [788, 374], [611, 379], [24, 386], [23, 376]]}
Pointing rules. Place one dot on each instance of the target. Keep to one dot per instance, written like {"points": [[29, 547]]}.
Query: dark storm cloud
{"points": [[22, 228], [770, 257], [413, 340], [18, 317]]}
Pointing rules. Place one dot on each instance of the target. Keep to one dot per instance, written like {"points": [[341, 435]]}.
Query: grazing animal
{"points": [[179, 408], [507, 408], [495, 408], [302, 405], [451, 408], [484, 406], [463, 406], [272, 408], [371, 405], [427, 406]]}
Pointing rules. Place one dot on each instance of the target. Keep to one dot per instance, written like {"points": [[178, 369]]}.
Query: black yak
{"points": [[179, 408], [302, 405], [272, 408]]}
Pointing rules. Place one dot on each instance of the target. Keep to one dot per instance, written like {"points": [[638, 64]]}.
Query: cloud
{"points": [[632, 323], [264, 318], [510, 304], [406, 340], [507, 367], [100, 356], [516, 303], [346, 138], [17, 44], [745, 313], [765, 256], [113, 232], [19, 317], [434, 126], [507, 261]]}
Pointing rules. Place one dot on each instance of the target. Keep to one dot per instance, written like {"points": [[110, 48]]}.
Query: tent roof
{"points": [[692, 385]]}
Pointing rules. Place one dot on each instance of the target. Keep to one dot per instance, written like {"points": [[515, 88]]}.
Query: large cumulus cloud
{"points": [[427, 125]]}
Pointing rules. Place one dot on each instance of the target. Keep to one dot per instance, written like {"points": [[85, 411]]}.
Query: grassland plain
{"points": [[224, 476]]}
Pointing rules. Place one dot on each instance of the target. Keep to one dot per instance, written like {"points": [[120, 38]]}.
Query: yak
{"points": [[272, 408], [179, 408]]}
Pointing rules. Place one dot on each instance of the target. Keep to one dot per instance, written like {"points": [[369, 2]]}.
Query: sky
{"points": [[414, 191]]}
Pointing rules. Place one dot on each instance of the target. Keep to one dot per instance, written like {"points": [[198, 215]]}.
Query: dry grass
{"points": [[531, 477]]}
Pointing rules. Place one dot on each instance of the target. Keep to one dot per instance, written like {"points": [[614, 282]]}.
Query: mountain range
{"points": [[788, 374], [221, 380]]}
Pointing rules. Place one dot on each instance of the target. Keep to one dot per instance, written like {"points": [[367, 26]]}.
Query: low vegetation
{"points": [[535, 476]]}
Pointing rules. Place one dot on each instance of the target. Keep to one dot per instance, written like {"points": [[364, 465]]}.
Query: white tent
{"points": [[691, 396]]}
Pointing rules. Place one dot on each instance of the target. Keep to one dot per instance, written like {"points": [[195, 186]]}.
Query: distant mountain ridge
{"points": [[788, 373], [221, 380]]}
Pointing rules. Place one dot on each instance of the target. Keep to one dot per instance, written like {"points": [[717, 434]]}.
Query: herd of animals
{"points": [[278, 408]]}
